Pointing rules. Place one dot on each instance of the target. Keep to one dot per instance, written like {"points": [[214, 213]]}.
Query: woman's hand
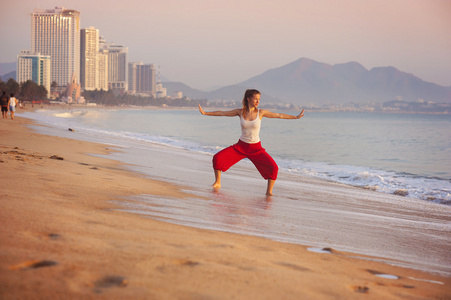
{"points": [[300, 115], [201, 110], [270, 114]]}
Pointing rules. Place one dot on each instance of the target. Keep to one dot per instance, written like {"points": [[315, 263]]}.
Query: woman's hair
{"points": [[12, 94], [248, 94]]}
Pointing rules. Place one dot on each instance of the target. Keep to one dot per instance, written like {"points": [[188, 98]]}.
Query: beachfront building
{"points": [[117, 65], [177, 95], [142, 79], [102, 70], [73, 92], [89, 47], [56, 32], [93, 61], [161, 92], [35, 67]]}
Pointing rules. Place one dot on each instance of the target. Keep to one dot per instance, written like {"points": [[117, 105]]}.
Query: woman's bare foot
{"points": [[270, 187], [217, 184]]}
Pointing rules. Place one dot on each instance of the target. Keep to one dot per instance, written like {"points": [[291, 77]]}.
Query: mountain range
{"points": [[7, 70], [306, 81]]}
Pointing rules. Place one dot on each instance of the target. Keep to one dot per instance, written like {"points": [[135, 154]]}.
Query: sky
{"points": [[214, 43]]}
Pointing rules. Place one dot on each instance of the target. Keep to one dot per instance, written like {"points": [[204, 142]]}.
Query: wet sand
{"points": [[62, 237]]}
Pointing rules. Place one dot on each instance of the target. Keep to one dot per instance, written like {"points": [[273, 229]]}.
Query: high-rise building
{"points": [[117, 66], [56, 32], [93, 61], [102, 70], [132, 67], [89, 49], [141, 79], [35, 67]]}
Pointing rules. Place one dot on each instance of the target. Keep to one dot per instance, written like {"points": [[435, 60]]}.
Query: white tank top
{"points": [[12, 102], [250, 130]]}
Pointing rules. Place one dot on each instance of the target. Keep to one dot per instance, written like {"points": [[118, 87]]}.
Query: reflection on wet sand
{"points": [[246, 212]]}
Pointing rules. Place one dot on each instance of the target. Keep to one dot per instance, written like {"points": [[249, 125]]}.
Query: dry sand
{"points": [[61, 238]]}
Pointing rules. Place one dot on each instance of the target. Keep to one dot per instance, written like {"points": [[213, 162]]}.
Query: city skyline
{"points": [[207, 44]]}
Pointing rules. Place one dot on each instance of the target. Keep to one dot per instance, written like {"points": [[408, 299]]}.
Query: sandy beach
{"points": [[63, 238]]}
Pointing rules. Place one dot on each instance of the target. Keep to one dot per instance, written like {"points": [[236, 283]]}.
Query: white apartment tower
{"points": [[93, 61], [35, 67], [102, 70], [56, 32], [117, 66], [89, 49]]}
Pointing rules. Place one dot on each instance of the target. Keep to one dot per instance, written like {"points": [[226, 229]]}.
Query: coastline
{"points": [[295, 109], [64, 238]]}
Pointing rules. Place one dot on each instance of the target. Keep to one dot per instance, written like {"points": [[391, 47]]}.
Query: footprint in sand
{"points": [[360, 289], [56, 157], [84, 164], [33, 264], [111, 281], [185, 262], [54, 236], [44, 236], [292, 266], [177, 263]]}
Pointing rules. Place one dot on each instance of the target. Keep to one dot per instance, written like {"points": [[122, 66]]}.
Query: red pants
{"points": [[229, 156]]}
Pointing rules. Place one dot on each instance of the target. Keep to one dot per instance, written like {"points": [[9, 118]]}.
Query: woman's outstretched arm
{"points": [[221, 113], [270, 114]]}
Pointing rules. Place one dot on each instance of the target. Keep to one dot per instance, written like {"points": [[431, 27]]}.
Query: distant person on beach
{"points": [[12, 103], [249, 144], [4, 103]]}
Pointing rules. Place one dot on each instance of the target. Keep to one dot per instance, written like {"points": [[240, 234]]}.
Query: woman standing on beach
{"points": [[12, 103], [249, 144]]}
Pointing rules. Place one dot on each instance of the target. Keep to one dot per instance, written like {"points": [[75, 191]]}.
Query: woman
{"points": [[12, 103], [249, 144]]}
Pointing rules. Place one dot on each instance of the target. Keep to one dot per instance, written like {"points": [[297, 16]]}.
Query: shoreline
{"points": [[298, 109], [64, 238], [322, 168]]}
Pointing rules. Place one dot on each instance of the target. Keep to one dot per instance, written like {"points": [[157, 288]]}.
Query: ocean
{"points": [[384, 152], [338, 173]]}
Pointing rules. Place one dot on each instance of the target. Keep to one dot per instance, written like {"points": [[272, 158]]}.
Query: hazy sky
{"points": [[207, 43]]}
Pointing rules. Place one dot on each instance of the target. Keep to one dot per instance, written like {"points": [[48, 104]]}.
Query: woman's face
{"points": [[254, 100]]}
